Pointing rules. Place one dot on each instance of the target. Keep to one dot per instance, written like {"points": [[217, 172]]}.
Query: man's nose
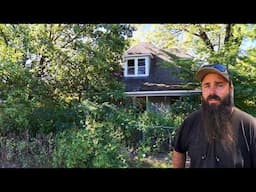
{"points": [[212, 90]]}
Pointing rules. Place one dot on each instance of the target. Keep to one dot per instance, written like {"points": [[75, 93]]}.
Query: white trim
{"points": [[138, 55], [147, 67], [163, 93]]}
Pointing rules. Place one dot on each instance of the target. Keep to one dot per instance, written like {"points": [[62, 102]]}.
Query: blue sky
{"points": [[145, 28]]}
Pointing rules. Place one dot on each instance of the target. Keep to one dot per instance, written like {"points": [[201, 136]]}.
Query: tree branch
{"points": [[72, 39], [228, 33], [5, 37], [206, 39]]}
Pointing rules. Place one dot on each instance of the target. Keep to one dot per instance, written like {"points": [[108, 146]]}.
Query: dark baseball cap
{"points": [[213, 68]]}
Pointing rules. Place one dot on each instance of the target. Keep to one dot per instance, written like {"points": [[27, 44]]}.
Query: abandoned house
{"points": [[150, 79]]}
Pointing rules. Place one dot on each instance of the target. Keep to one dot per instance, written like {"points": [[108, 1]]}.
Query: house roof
{"points": [[142, 48], [150, 49], [164, 93], [161, 77]]}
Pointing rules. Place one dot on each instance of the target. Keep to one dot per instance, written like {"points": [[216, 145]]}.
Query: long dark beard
{"points": [[217, 121]]}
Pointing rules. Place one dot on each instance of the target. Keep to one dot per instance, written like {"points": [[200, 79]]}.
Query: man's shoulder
{"points": [[242, 114], [195, 114]]}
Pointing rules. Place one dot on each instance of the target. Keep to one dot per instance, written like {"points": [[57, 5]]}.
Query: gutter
{"points": [[163, 93]]}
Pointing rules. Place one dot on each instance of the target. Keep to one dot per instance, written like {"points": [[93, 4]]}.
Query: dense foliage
{"points": [[62, 104], [230, 44]]}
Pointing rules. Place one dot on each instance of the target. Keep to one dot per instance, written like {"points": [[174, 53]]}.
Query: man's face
{"points": [[215, 88]]}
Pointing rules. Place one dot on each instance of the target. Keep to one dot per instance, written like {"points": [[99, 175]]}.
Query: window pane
{"points": [[131, 67], [141, 66]]}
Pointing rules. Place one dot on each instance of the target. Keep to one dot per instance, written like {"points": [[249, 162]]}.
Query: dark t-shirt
{"points": [[190, 139]]}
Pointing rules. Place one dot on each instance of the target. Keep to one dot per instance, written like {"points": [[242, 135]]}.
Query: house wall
{"points": [[161, 73]]}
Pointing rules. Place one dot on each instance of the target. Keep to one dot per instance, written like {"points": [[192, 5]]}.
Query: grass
{"points": [[160, 160]]}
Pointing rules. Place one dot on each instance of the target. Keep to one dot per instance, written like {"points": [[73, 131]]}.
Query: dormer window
{"points": [[131, 67], [141, 66], [136, 67]]}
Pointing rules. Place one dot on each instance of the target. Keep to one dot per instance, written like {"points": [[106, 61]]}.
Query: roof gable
{"points": [[150, 49]]}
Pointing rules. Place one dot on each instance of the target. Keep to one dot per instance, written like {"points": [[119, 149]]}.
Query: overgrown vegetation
{"points": [[62, 104]]}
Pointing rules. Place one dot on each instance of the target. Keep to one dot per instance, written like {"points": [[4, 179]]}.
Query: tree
{"points": [[215, 43], [60, 63]]}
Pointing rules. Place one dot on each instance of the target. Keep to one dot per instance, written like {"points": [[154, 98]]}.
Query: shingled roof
{"points": [[150, 49], [161, 77]]}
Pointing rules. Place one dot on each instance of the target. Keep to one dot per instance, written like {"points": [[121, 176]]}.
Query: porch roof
{"points": [[163, 93]]}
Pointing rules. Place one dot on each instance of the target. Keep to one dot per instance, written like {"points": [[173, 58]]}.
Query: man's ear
{"points": [[231, 89]]}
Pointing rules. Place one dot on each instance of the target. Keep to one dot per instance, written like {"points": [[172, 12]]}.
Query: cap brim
{"points": [[203, 72]]}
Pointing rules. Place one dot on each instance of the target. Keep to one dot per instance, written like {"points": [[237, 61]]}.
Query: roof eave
{"points": [[138, 55], [163, 93]]}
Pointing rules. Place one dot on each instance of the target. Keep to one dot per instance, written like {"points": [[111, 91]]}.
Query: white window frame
{"points": [[147, 60]]}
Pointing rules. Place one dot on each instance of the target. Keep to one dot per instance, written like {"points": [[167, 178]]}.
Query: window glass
{"points": [[141, 67], [131, 67]]}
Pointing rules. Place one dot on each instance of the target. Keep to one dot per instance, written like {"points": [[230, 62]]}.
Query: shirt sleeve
{"points": [[253, 143], [179, 142]]}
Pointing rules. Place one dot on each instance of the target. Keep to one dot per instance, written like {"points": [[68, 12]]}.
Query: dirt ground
{"points": [[160, 160]]}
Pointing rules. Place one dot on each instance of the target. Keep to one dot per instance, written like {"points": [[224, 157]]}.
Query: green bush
{"points": [[97, 145]]}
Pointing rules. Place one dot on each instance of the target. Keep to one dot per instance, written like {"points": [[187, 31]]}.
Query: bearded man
{"points": [[219, 135]]}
